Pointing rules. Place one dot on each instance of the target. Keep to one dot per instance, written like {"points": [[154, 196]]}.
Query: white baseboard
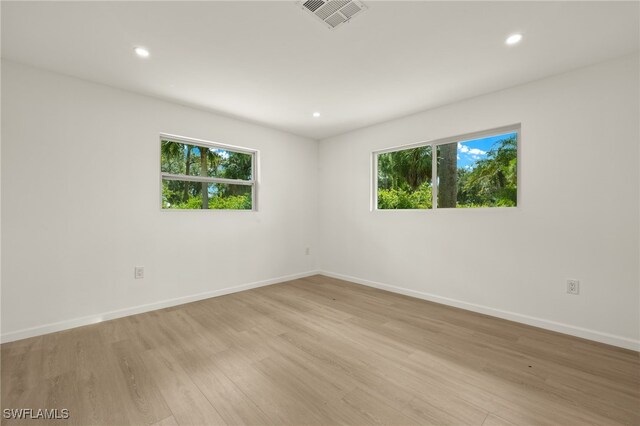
{"points": [[598, 336], [105, 316]]}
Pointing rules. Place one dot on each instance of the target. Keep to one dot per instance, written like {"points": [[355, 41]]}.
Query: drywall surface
{"points": [[578, 215], [81, 206]]}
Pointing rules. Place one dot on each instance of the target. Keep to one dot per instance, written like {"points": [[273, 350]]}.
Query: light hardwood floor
{"points": [[320, 351]]}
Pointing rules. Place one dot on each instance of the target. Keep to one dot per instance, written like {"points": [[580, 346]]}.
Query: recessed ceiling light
{"points": [[141, 51], [316, 114], [514, 39]]}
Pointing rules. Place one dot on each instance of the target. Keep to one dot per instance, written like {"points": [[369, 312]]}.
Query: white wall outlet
{"points": [[307, 251], [573, 286], [138, 272]]}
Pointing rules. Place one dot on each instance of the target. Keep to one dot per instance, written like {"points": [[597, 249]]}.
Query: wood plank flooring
{"points": [[319, 351]]}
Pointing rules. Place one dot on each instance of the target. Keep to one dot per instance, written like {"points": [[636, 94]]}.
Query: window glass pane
{"points": [[229, 164], [192, 160], [478, 173], [179, 158], [229, 197], [177, 194], [404, 179], [183, 195]]}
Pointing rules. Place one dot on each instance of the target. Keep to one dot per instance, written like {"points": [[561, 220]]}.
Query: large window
{"points": [[479, 170], [199, 175]]}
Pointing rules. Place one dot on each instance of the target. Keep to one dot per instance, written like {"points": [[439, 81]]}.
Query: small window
{"points": [[479, 170], [199, 175]]}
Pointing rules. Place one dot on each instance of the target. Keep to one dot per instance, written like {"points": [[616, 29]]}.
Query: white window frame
{"points": [[514, 128], [206, 144]]}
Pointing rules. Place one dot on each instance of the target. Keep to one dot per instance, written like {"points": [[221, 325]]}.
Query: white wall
{"points": [[80, 206], [578, 216]]}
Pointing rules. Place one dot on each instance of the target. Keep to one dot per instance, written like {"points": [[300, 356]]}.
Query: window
{"points": [[199, 175], [479, 170]]}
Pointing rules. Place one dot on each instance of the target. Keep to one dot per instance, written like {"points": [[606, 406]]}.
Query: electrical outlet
{"points": [[573, 286], [307, 251], [138, 272]]}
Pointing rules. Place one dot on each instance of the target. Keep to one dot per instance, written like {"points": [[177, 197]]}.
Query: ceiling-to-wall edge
{"points": [[479, 96], [195, 107]]}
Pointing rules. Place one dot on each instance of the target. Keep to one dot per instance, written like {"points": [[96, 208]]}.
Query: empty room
{"points": [[322, 212]]}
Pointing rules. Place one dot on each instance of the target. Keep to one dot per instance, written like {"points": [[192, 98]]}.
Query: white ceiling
{"points": [[272, 63]]}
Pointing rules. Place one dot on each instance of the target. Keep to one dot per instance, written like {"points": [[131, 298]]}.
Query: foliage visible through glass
{"points": [[475, 173], [208, 162], [478, 173], [404, 179], [219, 196]]}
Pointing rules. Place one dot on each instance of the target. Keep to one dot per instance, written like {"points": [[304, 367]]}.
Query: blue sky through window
{"points": [[221, 152], [469, 152]]}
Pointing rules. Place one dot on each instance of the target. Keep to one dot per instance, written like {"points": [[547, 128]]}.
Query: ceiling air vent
{"points": [[333, 12]]}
